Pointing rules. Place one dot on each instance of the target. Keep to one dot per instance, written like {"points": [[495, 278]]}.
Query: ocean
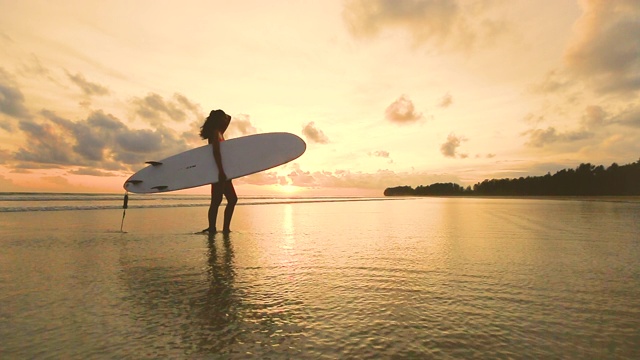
{"points": [[321, 278]]}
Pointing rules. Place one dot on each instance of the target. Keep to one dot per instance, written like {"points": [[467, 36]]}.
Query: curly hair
{"points": [[213, 122]]}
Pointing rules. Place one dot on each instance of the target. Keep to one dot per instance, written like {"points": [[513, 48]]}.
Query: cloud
{"points": [[446, 101], [402, 111], [6, 38], [9, 186], [89, 88], [151, 145], [11, 100], [186, 103], [604, 48], [488, 156], [592, 122], [540, 137], [47, 144], [101, 141], [594, 117], [263, 178], [4, 155], [629, 117], [33, 66], [314, 134], [450, 147], [554, 81], [447, 24], [140, 141], [533, 119], [240, 126], [91, 172], [25, 168], [380, 153], [380, 179], [56, 181], [156, 110]]}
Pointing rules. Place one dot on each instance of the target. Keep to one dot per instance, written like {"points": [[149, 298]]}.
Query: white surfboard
{"points": [[196, 167]]}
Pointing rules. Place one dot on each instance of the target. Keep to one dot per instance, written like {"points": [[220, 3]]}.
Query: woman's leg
{"points": [[232, 200], [216, 199]]}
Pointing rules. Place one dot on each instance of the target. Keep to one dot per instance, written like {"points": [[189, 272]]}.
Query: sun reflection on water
{"points": [[288, 228]]}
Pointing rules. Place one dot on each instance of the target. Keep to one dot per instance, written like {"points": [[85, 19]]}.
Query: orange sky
{"points": [[385, 92]]}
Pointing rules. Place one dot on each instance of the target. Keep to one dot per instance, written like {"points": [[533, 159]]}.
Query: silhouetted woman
{"points": [[213, 130]]}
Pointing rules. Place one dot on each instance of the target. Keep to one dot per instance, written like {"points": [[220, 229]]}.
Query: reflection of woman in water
{"points": [[213, 130]]}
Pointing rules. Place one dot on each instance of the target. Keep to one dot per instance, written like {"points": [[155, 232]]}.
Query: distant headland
{"points": [[585, 180]]}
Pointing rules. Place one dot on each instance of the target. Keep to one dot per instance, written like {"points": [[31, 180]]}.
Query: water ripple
{"points": [[473, 279]]}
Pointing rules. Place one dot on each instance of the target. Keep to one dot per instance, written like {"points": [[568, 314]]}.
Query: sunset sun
{"points": [[288, 189]]}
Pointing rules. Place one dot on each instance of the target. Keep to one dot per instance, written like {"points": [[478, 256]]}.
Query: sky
{"points": [[384, 92]]}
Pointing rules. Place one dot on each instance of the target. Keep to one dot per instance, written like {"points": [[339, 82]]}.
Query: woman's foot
{"points": [[226, 231], [208, 230]]}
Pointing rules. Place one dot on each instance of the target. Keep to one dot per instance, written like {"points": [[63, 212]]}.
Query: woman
{"points": [[213, 130]]}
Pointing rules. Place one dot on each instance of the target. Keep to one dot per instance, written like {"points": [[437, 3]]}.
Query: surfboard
{"points": [[196, 167]]}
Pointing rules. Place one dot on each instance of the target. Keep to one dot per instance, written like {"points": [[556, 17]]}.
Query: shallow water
{"points": [[436, 277]]}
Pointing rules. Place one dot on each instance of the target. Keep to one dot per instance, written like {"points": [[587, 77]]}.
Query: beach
{"points": [[320, 278]]}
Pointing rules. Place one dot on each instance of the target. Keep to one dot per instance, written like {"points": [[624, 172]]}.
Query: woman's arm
{"points": [[218, 158]]}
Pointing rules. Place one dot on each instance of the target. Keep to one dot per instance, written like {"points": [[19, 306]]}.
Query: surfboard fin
{"points": [[160, 187], [154, 163]]}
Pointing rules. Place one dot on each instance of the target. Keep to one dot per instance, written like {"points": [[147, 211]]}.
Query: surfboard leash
{"points": [[125, 205]]}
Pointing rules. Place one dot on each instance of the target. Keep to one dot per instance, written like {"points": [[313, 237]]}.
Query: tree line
{"points": [[585, 180]]}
